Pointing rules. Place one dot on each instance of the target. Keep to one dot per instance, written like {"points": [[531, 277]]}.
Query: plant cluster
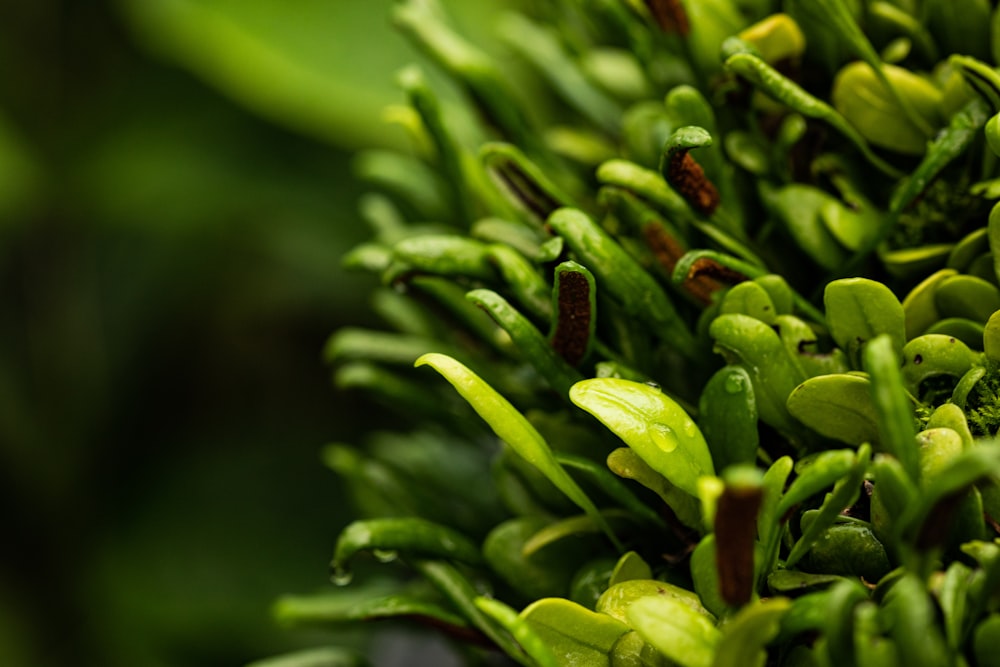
{"points": [[713, 287]]}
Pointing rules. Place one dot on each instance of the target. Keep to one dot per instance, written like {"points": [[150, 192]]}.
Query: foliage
{"points": [[739, 256]]}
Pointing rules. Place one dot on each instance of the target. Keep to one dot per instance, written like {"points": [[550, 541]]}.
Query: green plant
{"points": [[666, 274]]}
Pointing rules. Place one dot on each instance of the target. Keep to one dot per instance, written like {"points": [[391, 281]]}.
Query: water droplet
{"points": [[654, 385], [734, 384], [690, 429], [663, 436], [341, 576], [385, 555]]}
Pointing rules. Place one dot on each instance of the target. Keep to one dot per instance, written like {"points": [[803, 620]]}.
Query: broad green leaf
{"points": [[752, 344], [727, 414], [849, 549], [967, 297], [991, 337], [836, 406], [858, 310], [920, 305], [932, 355], [952, 417], [574, 634], [793, 582], [511, 427], [861, 96], [652, 424], [684, 636], [749, 298], [615, 601]]}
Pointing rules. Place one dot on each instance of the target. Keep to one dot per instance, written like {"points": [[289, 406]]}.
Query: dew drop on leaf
{"points": [[663, 436], [341, 577], [385, 555]]}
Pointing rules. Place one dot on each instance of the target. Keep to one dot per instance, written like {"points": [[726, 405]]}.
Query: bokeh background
{"points": [[175, 194]]}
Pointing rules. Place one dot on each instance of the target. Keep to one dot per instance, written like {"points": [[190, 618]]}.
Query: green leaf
{"points": [[845, 493], [896, 419], [967, 297], [986, 638], [334, 609], [858, 310], [682, 635], [861, 96], [630, 567], [745, 636], [920, 305], [523, 183], [749, 298], [836, 406], [576, 635], [461, 592], [616, 601], [407, 534], [626, 463], [575, 527], [727, 414], [444, 255], [705, 576], [789, 93], [622, 277], [544, 573], [800, 209], [537, 649], [542, 47], [652, 424], [511, 427], [532, 344], [824, 470], [752, 344], [911, 618]]}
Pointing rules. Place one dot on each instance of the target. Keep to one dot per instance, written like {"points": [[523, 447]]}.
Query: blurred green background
{"points": [[175, 195]]}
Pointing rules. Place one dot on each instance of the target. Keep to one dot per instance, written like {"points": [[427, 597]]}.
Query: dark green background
{"points": [[175, 194]]}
